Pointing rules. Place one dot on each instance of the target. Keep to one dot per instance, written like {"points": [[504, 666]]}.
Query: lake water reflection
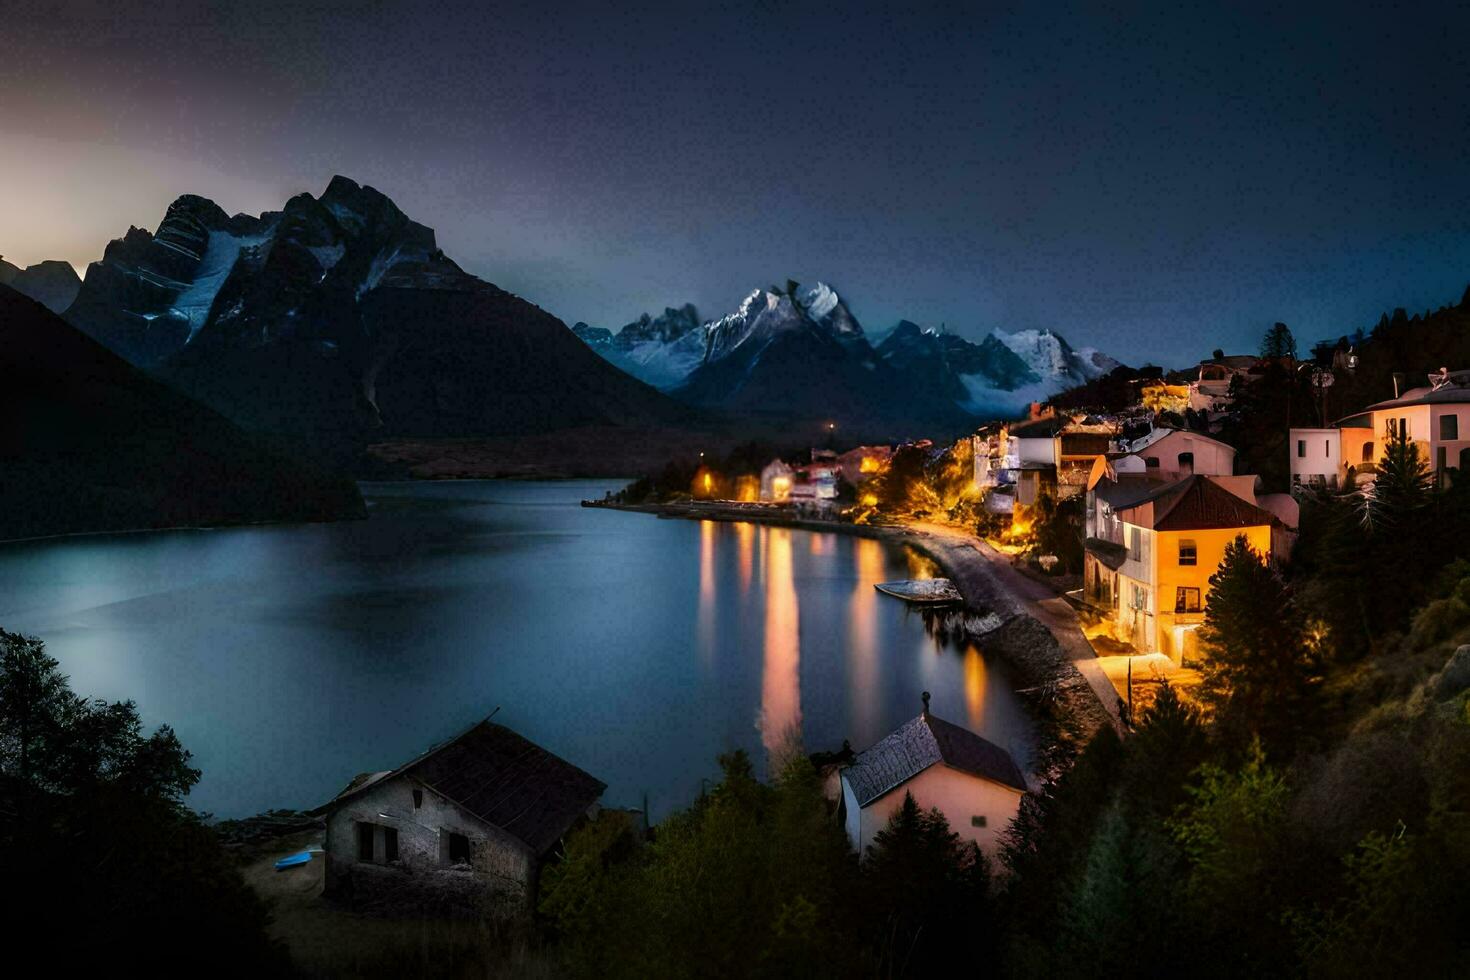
{"points": [[291, 658]]}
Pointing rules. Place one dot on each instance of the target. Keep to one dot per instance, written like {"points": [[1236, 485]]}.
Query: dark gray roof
{"points": [[921, 743], [1128, 490], [1110, 553], [502, 778]]}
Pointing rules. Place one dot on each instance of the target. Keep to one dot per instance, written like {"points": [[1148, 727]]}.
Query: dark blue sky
{"points": [[1155, 181]]}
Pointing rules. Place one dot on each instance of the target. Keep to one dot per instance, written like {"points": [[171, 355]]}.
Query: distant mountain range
{"points": [[338, 320], [90, 443], [800, 352], [53, 284]]}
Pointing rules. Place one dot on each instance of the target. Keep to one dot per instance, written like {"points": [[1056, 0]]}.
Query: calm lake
{"points": [[289, 659]]}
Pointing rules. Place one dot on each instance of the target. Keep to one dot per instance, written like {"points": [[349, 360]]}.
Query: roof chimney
{"points": [[926, 704], [1398, 380]]}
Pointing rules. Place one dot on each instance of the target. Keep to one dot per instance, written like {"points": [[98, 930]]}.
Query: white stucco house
{"points": [[973, 782], [1435, 417], [476, 814], [1316, 457]]}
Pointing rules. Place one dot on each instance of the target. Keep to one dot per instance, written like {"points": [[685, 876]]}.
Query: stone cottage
{"points": [[465, 824]]}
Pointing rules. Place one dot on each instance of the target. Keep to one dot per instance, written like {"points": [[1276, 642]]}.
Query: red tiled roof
{"points": [[1198, 503]]}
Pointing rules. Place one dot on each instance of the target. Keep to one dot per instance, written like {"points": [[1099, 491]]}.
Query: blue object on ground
{"points": [[292, 861]]}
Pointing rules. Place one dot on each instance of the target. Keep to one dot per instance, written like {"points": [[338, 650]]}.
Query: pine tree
{"points": [[1278, 342], [929, 891], [1259, 674], [1396, 514]]}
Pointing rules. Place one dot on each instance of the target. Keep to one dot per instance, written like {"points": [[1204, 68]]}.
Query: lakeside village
{"points": [[1214, 734]]}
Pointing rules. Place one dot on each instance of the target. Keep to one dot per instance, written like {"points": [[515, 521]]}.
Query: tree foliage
{"points": [[93, 823], [1259, 673]]}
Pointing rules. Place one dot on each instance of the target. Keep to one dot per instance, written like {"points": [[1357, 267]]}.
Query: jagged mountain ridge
{"points": [[801, 352], [338, 319], [91, 443], [660, 351], [52, 283]]}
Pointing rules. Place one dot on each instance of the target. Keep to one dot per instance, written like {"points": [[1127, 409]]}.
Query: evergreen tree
{"points": [[929, 892], [1259, 673], [1396, 514], [1278, 342]]}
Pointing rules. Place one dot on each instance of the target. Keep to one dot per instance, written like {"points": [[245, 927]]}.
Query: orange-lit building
{"points": [[1152, 546]]}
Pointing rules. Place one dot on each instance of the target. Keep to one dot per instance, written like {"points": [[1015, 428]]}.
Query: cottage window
{"points": [[418, 798], [1301, 448], [1186, 600], [390, 844], [1186, 461], [977, 821], [364, 842], [1368, 451], [1151, 462], [1449, 427], [1187, 552], [459, 848]]}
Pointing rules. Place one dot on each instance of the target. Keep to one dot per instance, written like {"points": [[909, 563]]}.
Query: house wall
{"points": [[1034, 450], [1420, 431], [1316, 456], [1172, 629], [1211, 457], [1453, 448], [776, 482], [960, 796], [1352, 441], [504, 862]]}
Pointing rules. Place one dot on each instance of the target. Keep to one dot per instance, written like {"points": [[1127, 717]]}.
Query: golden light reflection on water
{"points": [[745, 542], [781, 673], [863, 633], [705, 622], [921, 565], [975, 683]]}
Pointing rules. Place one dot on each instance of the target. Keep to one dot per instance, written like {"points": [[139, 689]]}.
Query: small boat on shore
{"points": [[930, 591]]}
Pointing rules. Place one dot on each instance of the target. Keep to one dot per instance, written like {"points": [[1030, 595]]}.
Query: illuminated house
{"points": [[815, 482], [861, 464], [1152, 546], [776, 480], [1435, 417], [479, 812], [1079, 445], [1173, 453], [973, 782]]}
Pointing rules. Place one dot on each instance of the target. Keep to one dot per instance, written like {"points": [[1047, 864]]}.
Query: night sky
{"points": [[1153, 181]]}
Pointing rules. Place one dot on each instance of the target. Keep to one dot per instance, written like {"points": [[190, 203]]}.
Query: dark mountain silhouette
{"points": [[90, 443], [53, 284], [338, 321]]}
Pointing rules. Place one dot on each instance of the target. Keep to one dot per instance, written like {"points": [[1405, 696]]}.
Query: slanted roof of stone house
{"points": [[502, 778], [919, 744]]}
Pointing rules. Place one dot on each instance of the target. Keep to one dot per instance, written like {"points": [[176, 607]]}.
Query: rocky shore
{"points": [[1068, 708]]}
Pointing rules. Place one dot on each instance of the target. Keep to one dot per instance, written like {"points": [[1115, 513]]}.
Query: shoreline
{"points": [[1068, 705]]}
